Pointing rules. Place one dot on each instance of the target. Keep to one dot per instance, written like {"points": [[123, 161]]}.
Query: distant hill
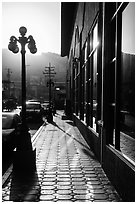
{"points": [[35, 65]]}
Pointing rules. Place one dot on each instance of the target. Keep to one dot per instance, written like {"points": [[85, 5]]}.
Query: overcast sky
{"points": [[42, 20]]}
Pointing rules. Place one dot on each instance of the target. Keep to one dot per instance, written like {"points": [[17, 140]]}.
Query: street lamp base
{"points": [[24, 162]]}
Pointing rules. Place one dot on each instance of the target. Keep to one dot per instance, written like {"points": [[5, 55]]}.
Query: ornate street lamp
{"points": [[24, 155]]}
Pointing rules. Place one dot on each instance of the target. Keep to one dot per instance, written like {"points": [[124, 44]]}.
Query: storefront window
{"points": [[95, 44], [127, 83], [85, 83]]}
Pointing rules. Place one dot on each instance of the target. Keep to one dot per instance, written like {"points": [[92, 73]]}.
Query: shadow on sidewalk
{"points": [[84, 147], [24, 187]]}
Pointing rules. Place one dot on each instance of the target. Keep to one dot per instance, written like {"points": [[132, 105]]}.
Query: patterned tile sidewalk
{"points": [[67, 170]]}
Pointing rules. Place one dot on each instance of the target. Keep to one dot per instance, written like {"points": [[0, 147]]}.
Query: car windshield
{"points": [[6, 122], [33, 106]]}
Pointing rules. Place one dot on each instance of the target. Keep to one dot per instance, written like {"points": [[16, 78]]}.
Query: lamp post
{"points": [[24, 146]]}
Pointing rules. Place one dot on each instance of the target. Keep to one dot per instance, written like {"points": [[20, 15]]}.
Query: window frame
{"points": [[115, 26], [91, 52]]}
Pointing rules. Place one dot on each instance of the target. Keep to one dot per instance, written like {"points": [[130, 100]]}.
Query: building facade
{"points": [[99, 40]]}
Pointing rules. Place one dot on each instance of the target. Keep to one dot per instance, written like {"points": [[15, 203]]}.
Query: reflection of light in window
{"points": [[95, 37], [128, 29], [86, 51], [95, 44]]}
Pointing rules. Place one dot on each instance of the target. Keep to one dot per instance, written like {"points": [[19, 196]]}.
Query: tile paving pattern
{"points": [[67, 170]]}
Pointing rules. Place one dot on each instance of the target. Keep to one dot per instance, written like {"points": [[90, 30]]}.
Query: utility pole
{"points": [[49, 72]]}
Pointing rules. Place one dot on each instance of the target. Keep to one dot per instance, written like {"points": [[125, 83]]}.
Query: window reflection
{"points": [[95, 44], [127, 106], [85, 82], [95, 37]]}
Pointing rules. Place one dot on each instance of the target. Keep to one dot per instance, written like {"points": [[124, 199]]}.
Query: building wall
{"points": [[97, 75]]}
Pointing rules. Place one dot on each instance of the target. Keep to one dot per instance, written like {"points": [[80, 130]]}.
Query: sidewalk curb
{"points": [[9, 170], [7, 175], [38, 132]]}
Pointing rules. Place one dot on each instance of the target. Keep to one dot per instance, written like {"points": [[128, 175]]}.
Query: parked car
{"points": [[10, 130], [34, 111], [33, 100], [9, 104]]}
